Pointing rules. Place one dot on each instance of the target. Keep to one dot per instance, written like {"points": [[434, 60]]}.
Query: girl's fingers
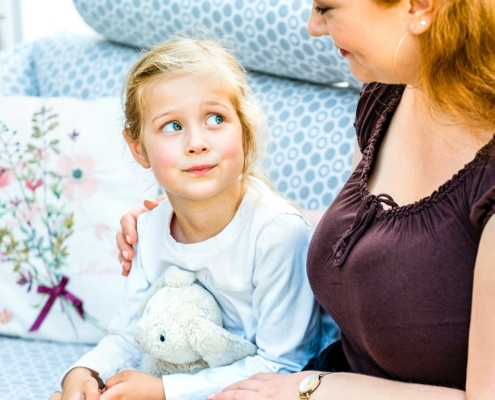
{"points": [[117, 378], [90, 390]]}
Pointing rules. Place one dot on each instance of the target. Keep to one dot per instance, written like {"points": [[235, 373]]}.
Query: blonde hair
{"points": [[181, 56], [458, 60]]}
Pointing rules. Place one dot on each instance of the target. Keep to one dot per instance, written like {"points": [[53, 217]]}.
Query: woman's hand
{"points": [[264, 386], [128, 235]]}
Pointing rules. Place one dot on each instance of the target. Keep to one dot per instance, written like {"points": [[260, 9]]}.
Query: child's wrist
{"points": [[83, 372]]}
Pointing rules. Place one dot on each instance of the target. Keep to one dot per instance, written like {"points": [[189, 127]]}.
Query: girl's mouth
{"points": [[343, 52], [200, 169]]}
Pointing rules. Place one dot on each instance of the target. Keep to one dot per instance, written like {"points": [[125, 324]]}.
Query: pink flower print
{"points": [[23, 279], [74, 135], [32, 185], [25, 213], [102, 230], [5, 316], [6, 176], [78, 172]]}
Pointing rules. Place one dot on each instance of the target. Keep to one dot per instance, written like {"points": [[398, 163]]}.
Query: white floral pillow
{"points": [[66, 178]]}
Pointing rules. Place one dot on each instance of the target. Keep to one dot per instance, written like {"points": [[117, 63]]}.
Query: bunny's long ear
{"points": [[159, 283], [215, 344], [173, 277]]}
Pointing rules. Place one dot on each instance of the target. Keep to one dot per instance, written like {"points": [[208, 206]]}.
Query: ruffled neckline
{"points": [[447, 187]]}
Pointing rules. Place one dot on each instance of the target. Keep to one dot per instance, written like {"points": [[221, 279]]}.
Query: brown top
{"points": [[399, 281]]}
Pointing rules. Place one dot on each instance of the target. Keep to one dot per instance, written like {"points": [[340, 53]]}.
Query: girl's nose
{"points": [[197, 143]]}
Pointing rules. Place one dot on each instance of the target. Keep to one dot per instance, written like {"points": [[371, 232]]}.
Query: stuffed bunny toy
{"points": [[180, 329]]}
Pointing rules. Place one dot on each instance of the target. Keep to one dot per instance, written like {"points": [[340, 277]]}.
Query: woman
{"points": [[408, 275]]}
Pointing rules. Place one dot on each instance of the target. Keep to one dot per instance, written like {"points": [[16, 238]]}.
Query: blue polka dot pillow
{"points": [[17, 72], [267, 35]]}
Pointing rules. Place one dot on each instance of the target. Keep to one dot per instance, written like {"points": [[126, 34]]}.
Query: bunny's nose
{"points": [[136, 340]]}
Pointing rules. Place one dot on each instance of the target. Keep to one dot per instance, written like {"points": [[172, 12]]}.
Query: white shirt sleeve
{"points": [[288, 332], [118, 350]]}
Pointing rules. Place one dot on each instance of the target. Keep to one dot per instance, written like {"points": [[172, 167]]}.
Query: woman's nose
{"points": [[316, 24]]}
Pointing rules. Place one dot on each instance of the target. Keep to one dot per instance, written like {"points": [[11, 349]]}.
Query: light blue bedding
{"points": [[30, 370]]}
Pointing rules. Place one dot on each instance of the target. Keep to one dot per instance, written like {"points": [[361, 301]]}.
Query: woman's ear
{"points": [[137, 150], [420, 15]]}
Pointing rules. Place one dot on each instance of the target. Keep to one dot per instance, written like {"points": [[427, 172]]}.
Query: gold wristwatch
{"points": [[310, 384]]}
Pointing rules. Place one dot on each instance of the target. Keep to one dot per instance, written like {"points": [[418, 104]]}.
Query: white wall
{"points": [[41, 18]]}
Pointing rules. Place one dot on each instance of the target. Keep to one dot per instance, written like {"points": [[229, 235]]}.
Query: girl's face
{"points": [[192, 136], [368, 34]]}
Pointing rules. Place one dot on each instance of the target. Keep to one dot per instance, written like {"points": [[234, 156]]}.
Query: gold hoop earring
{"points": [[395, 57]]}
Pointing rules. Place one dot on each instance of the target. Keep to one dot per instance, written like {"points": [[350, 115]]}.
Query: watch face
{"points": [[308, 383]]}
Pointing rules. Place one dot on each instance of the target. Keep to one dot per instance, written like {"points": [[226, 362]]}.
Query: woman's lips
{"points": [[200, 169], [343, 52]]}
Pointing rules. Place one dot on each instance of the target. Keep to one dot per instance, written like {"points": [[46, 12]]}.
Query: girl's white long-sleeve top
{"points": [[256, 270]]}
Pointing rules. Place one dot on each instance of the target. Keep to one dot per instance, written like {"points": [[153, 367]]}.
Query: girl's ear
{"points": [[136, 150]]}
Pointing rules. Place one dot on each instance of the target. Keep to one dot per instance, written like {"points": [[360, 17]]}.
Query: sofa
{"points": [[303, 84]]}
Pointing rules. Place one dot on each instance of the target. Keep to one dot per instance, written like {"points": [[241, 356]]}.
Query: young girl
{"points": [[192, 118]]}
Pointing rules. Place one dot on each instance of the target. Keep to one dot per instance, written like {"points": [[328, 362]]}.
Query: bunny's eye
{"points": [[161, 337]]}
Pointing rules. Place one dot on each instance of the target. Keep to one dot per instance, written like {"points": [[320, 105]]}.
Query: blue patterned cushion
{"points": [[311, 125], [31, 370], [81, 66], [17, 72], [267, 35], [312, 134]]}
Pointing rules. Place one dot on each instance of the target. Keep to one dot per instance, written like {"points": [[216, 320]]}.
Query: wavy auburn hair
{"points": [[458, 59]]}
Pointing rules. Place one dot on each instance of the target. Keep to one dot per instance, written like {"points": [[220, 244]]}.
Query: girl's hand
{"points": [[128, 235], [79, 383], [133, 385], [264, 386]]}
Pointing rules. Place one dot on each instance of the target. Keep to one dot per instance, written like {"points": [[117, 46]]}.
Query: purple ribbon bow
{"points": [[54, 292]]}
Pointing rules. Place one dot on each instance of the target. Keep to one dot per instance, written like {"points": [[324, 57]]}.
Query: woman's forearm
{"points": [[354, 386]]}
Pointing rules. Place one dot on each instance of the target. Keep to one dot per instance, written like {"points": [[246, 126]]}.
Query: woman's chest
{"points": [[410, 166], [406, 283], [420, 251]]}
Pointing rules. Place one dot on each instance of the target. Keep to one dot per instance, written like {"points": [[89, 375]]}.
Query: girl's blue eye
{"points": [[171, 127], [214, 119]]}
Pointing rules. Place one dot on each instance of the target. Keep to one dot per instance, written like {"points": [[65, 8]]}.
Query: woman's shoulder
{"points": [[482, 177], [374, 100]]}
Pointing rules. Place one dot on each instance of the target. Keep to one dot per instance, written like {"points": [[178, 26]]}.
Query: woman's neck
{"points": [[198, 220], [422, 119]]}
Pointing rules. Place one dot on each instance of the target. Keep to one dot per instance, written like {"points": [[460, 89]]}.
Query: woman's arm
{"points": [[481, 357], [481, 360], [128, 235]]}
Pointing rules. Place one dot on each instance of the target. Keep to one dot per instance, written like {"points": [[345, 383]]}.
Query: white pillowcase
{"points": [[62, 194]]}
